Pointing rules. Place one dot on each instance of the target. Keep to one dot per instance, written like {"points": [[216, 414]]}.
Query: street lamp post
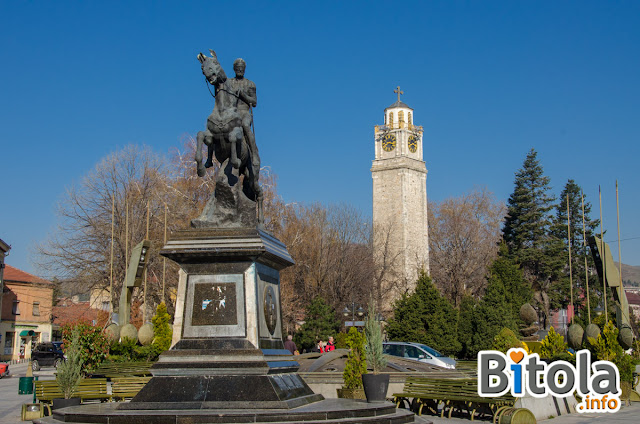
{"points": [[355, 310]]}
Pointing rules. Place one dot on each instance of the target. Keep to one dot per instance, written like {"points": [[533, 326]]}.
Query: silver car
{"points": [[418, 352]]}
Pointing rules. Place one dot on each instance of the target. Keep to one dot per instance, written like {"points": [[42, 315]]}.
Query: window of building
{"points": [[401, 116], [8, 342], [391, 119], [36, 309], [16, 307], [410, 120]]}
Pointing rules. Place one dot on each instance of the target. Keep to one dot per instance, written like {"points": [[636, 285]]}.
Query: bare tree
{"points": [[333, 257], [464, 233]]}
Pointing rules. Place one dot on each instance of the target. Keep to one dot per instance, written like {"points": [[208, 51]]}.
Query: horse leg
{"points": [[235, 138], [198, 158], [209, 142]]}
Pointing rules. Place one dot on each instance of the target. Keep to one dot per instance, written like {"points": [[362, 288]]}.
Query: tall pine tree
{"points": [[579, 251], [527, 230]]}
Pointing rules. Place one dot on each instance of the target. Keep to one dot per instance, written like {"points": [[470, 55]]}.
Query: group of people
{"points": [[320, 347]]}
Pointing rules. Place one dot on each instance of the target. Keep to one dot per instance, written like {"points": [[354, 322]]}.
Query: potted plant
{"points": [[375, 384], [354, 367], [69, 372]]}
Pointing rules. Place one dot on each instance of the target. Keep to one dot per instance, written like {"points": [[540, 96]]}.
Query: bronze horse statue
{"points": [[224, 135]]}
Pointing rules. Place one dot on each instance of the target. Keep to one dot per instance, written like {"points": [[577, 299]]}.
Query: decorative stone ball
{"points": [[112, 332], [625, 337], [128, 331], [528, 314], [145, 334], [576, 333], [592, 330]]}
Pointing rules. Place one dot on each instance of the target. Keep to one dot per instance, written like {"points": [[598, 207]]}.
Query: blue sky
{"points": [[487, 80]]}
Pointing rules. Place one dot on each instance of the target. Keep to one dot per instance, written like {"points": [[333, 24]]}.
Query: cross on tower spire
{"points": [[398, 91]]}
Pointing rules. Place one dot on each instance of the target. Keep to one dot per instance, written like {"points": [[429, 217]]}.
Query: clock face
{"points": [[413, 144], [388, 142]]}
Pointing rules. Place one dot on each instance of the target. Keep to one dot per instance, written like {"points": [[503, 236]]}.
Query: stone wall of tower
{"points": [[401, 240]]}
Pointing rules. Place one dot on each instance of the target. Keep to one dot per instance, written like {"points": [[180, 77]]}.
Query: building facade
{"points": [[401, 237], [26, 313], [4, 251]]}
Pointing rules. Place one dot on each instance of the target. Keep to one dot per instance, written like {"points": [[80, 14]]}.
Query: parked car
{"points": [[4, 369], [418, 352], [48, 354]]}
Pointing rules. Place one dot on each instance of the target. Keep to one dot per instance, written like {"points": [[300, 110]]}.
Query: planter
{"points": [[375, 387], [351, 394], [63, 403]]}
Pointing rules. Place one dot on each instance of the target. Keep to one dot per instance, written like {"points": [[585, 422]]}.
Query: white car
{"points": [[418, 352]]}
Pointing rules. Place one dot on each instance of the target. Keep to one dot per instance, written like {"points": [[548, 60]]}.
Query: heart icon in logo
{"points": [[516, 356]]}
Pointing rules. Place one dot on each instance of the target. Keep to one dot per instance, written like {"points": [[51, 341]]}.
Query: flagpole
{"points": [[604, 260], [584, 243], [619, 250], [570, 269]]}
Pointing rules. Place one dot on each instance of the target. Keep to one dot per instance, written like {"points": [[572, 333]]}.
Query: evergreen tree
{"points": [[320, 323], [527, 229], [162, 330], [579, 250], [426, 317], [492, 314], [506, 292], [466, 326]]}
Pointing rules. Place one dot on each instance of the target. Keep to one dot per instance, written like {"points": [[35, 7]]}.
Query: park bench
{"points": [[88, 389], [123, 388], [455, 394], [122, 369]]}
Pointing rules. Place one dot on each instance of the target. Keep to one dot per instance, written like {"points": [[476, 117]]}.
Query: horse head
{"points": [[211, 68]]}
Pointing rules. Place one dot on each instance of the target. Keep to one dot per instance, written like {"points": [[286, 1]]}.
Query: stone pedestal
{"points": [[228, 363], [230, 353]]}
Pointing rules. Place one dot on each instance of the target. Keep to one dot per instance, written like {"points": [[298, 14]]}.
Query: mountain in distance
{"points": [[630, 275]]}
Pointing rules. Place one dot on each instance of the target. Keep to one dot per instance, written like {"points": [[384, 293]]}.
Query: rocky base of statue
{"points": [[229, 207]]}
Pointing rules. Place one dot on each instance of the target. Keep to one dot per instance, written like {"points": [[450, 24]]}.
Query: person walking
{"points": [[290, 345]]}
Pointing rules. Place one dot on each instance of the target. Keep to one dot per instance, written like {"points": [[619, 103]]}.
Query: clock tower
{"points": [[401, 237]]}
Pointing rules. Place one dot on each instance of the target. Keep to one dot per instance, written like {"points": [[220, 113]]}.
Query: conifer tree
{"points": [[578, 249], [527, 229], [426, 317], [506, 292], [320, 323], [466, 326]]}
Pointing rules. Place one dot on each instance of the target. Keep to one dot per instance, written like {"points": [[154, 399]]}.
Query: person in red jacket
{"points": [[330, 345]]}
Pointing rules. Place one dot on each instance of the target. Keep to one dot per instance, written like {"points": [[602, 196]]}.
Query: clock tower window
{"points": [[391, 119], [401, 119], [410, 120]]}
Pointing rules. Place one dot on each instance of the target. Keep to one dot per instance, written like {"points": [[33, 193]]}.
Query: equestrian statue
{"points": [[229, 136]]}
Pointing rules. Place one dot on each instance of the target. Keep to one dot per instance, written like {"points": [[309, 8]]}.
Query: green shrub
{"points": [[92, 343], [69, 372], [373, 334], [129, 350], [341, 340], [505, 340], [162, 331], [356, 364], [553, 345], [607, 348]]}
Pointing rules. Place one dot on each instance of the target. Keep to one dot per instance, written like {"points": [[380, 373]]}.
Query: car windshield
{"points": [[432, 351], [57, 345]]}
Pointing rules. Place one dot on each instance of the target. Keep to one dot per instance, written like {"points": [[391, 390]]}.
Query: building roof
{"points": [[399, 103], [4, 246], [17, 275], [67, 312], [633, 298]]}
